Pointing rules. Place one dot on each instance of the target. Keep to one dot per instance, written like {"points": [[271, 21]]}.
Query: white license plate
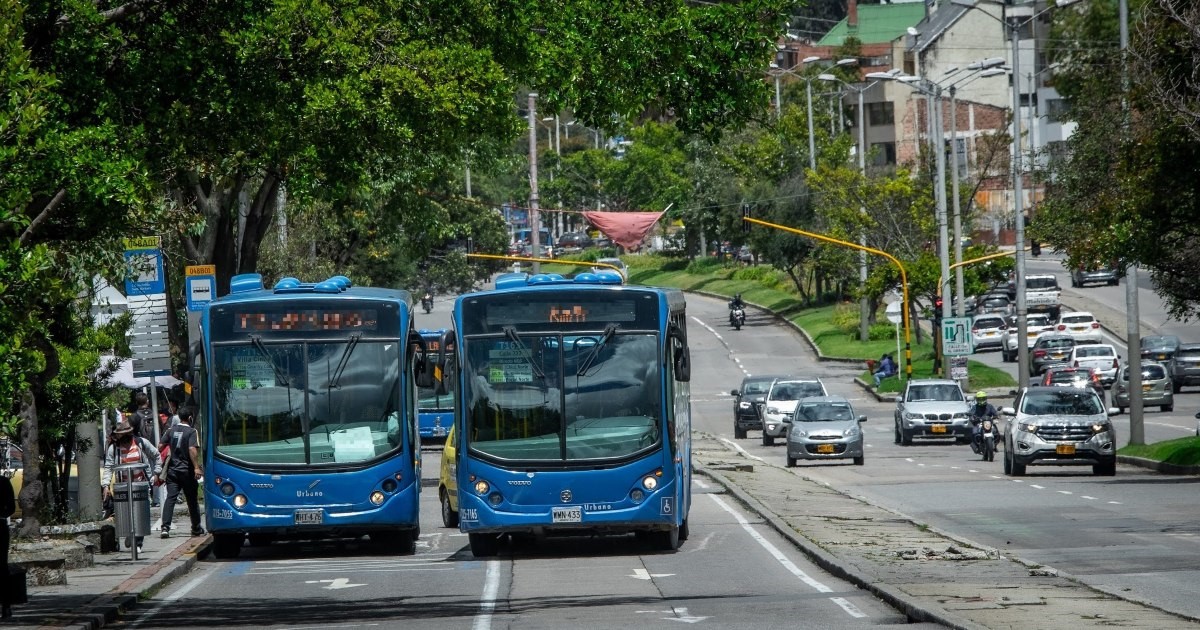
{"points": [[572, 514], [310, 517]]}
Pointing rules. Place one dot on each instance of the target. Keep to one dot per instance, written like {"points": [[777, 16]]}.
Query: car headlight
{"points": [[1028, 427], [908, 415], [797, 432], [962, 415], [744, 405], [773, 411], [851, 432], [1101, 427]]}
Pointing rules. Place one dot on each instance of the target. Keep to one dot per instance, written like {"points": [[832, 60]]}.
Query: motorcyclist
{"points": [[427, 301], [736, 304], [980, 411]]}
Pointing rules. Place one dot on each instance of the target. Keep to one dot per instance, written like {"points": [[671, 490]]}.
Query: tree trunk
{"points": [[258, 220], [30, 497]]}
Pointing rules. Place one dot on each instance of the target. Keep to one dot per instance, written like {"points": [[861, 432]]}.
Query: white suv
{"points": [[1081, 325], [1059, 426], [781, 404]]}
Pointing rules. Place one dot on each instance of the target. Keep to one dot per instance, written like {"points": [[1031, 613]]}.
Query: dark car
{"points": [[1050, 350], [1187, 366], [1074, 377], [574, 241], [1161, 348], [748, 401], [1095, 274]]}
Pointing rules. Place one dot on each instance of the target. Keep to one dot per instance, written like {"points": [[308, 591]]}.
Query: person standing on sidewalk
{"points": [[184, 471], [8, 506], [125, 448]]}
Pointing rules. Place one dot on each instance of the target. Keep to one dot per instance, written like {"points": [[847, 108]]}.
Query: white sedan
{"points": [[1081, 325]]}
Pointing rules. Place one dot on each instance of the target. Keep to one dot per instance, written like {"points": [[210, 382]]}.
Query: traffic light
{"points": [[937, 309], [745, 215]]}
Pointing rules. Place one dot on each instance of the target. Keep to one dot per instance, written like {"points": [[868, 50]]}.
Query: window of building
{"points": [[880, 113], [1056, 109], [883, 153]]}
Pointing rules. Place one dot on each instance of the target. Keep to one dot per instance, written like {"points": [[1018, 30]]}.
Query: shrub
{"points": [[702, 266]]}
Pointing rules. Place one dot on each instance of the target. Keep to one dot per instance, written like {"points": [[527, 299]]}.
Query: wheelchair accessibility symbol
{"points": [[668, 506]]}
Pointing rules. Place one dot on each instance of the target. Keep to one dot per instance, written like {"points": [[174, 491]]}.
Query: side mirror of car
{"points": [[1198, 415], [864, 418], [1113, 411], [734, 393], [1008, 411]]}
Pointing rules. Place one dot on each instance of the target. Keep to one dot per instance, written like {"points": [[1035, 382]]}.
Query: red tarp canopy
{"points": [[626, 229]]}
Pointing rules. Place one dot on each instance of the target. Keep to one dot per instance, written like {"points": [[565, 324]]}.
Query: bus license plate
{"points": [[573, 514], [938, 428], [310, 517], [1065, 449]]}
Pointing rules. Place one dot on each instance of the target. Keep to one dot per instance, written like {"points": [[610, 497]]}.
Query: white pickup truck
{"points": [[1042, 295]]}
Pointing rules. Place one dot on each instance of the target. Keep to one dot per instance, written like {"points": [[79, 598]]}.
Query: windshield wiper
{"points": [[511, 333], [280, 375], [345, 360], [609, 331]]}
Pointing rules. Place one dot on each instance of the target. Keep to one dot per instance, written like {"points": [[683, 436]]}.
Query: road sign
{"points": [[200, 270], [148, 340], [893, 313], [200, 291], [956, 336], [143, 259], [958, 367]]}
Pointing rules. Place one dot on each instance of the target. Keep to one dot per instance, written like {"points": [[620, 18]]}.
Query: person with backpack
{"points": [[126, 448], [184, 471]]}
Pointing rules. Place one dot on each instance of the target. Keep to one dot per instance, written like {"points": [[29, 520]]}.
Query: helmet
{"points": [[737, 296], [981, 396]]}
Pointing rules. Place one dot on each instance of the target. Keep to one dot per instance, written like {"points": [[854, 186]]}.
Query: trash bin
{"points": [[139, 524]]}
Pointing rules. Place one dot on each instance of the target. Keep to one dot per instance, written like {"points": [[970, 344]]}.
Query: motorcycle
{"points": [[984, 436], [737, 316], [427, 303]]}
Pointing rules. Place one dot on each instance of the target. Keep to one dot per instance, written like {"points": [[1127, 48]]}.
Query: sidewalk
{"points": [[927, 574], [94, 597]]}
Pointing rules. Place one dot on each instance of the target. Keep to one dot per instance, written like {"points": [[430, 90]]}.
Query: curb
{"points": [[913, 611], [107, 608], [1162, 467]]}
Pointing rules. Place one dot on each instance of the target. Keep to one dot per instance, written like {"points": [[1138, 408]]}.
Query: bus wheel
{"points": [[484, 545], [684, 531], [397, 542], [227, 546], [449, 516], [260, 540], [668, 540]]}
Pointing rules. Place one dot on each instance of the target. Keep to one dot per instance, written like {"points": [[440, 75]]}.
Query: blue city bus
{"points": [[307, 396], [574, 410], [435, 402]]}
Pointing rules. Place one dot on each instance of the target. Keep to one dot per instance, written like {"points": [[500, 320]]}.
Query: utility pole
{"points": [[1133, 341], [535, 223]]}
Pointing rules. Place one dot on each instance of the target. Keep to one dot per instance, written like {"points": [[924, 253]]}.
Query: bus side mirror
{"points": [[680, 355], [422, 361]]}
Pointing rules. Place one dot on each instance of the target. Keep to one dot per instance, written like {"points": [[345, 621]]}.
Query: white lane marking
{"points": [[334, 584], [487, 601], [1114, 502], [1064, 492], [1034, 485], [722, 339], [177, 595], [741, 450], [787, 564], [772, 549], [1084, 496], [642, 574]]}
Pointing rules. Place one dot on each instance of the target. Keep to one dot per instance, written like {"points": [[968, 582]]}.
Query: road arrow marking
{"points": [[681, 614], [642, 574], [334, 584]]}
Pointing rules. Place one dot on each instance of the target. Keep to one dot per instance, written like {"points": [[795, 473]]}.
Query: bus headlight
{"points": [[637, 495], [495, 499], [389, 485], [650, 482], [227, 489], [240, 501], [482, 487], [377, 498]]}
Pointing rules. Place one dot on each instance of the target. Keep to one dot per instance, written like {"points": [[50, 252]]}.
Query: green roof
{"points": [[877, 23]]}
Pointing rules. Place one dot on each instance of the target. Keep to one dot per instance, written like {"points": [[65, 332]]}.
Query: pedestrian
{"points": [[184, 471], [126, 448], [8, 506], [142, 419], [886, 368]]}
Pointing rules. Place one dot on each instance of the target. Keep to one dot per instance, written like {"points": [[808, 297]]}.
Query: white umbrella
{"points": [[124, 377]]}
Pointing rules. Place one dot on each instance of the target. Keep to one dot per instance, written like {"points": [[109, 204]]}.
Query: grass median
{"points": [[1180, 451]]}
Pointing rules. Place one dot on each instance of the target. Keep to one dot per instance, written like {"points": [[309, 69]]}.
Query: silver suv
{"points": [[780, 405], [932, 408], [1059, 426]]}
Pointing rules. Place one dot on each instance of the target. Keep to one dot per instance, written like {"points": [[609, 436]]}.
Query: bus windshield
{"points": [[307, 403], [550, 397]]}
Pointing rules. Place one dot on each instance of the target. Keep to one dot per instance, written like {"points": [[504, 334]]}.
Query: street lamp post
{"points": [[535, 224], [778, 72], [1019, 231], [864, 307]]}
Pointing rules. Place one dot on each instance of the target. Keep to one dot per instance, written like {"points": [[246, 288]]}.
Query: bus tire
{"points": [[397, 541], [449, 516], [684, 531], [227, 546], [484, 545], [260, 540], [666, 540]]}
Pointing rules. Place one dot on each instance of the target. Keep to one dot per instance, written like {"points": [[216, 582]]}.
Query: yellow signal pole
{"points": [[870, 250]]}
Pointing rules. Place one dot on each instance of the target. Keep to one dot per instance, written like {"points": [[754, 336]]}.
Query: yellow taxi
{"points": [[447, 482]]}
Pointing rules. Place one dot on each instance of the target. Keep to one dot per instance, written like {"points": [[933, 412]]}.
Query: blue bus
{"points": [[307, 396], [574, 410], [435, 400]]}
